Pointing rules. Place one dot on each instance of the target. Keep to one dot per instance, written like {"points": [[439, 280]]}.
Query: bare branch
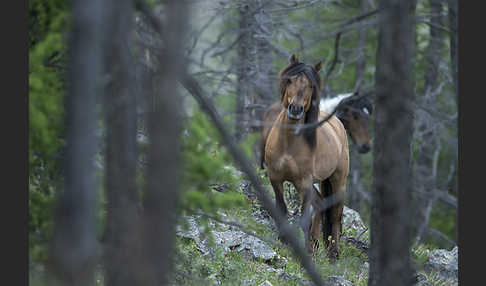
{"points": [[437, 234], [285, 229], [288, 8], [336, 56]]}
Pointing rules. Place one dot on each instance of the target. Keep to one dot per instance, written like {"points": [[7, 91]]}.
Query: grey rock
{"points": [[444, 263], [257, 248], [364, 269], [286, 277], [337, 281], [247, 282], [277, 271], [192, 231], [227, 240], [266, 283], [352, 220], [421, 280]]}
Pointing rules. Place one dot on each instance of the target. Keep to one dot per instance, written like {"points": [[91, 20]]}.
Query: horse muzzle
{"points": [[364, 148], [295, 112]]}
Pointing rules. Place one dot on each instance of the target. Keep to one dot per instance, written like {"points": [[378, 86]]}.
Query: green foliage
{"points": [[47, 21], [444, 220], [206, 163], [40, 222], [42, 14]]}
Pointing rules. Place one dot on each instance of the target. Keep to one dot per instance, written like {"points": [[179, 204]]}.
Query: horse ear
{"points": [[318, 66], [293, 59]]}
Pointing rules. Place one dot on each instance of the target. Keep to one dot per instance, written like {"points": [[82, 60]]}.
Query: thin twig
{"points": [[336, 55], [285, 230]]}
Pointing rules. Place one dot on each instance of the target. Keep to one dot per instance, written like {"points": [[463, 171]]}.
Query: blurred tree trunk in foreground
{"points": [[390, 212], [453, 12], [121, 148], [244, 66], [164, 128], [452, 9], [74, 247]]}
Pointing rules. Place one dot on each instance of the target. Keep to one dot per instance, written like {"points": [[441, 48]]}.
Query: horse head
{"points": [[300, 86], [355, 116]]}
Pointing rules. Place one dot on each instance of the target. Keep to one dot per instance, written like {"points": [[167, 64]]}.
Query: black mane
{"points": [[356, 105]]}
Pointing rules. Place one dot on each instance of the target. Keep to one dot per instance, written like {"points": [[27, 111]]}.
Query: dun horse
{"points": [[354, 114], [318, 155]]}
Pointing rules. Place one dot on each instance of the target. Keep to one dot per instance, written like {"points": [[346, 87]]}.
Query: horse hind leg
{"points": [[279, 196], [326, 188], [315, 230], [335, 216]]}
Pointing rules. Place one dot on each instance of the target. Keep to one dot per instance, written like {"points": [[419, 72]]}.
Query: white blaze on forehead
{"points": [[365, 110], [328, 104]]}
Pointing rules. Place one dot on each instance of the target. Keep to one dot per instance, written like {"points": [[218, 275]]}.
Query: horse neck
{"points": [[287, 135]]}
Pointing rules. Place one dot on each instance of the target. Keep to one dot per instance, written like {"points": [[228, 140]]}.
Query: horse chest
{"points": [[286, 163], [289, 164]]}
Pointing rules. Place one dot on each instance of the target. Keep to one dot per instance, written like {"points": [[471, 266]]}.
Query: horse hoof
{"points": [[333, 255], [283, 239]]}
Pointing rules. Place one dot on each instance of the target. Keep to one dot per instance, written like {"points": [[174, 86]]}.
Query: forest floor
{"points": [[222, 252], [234, 266]]}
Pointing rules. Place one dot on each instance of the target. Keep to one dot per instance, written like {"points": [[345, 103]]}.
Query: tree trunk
{"points": [[121, 148], [265, 72], [425, 179], [390, 212], [453, 12], [164, 127], [74, 247], [354, 168], [453, 26], [244, 67]]}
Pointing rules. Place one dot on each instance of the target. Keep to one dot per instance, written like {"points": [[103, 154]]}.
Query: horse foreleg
{"points": [[315, 229], [336, 216], [308, 195], [279, 196], [317, 220], [326, 190], [279, 201]]}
